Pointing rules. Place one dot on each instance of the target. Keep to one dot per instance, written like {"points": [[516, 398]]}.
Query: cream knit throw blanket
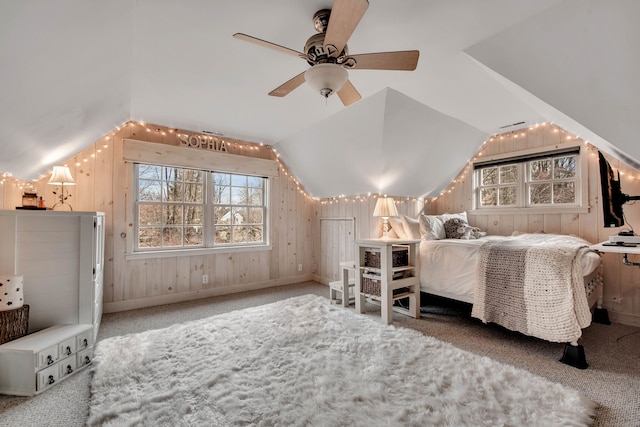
{"points": [[532, 283]]}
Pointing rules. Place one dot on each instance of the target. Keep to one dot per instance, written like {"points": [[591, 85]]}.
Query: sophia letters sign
{"points": [[202, 141]]}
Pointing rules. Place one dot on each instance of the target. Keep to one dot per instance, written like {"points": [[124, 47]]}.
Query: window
{"points": [[545, 180], [181, 208], [238, 204]]}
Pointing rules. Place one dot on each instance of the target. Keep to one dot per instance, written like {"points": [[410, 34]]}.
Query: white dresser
{"points": [[33, 363], [61, 256]]}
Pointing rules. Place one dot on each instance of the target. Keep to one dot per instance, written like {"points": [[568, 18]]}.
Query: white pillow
{"points": [[431, 228], [447, 216], [411, 227], [396, 224]]}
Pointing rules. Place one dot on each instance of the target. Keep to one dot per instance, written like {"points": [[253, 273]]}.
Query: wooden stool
{"points": [[343, 285]]}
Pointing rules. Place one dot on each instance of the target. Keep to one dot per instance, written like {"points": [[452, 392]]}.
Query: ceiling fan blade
{"points": [[348, 94], [345, 17], [270, 45], [288, 86], [406, 60]]}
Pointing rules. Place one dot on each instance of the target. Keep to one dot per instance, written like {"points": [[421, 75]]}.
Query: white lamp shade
{"points": [[61, 175], [326, 76], [385, 207], [11, 292]]}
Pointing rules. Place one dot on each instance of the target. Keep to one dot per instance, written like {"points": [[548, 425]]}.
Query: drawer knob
{"points": [[85, 343], [68, 351], [69, 369], [87, 360], [49, 359], [51, 379]]}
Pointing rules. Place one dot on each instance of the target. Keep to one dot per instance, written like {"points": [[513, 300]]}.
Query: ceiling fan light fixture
{"points": [[326, 78]]}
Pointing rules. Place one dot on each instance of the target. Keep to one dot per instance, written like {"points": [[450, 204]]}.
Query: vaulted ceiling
{"points": [[72, 70]]}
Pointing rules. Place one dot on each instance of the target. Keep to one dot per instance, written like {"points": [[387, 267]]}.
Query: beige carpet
{"points": [[612, 380]]}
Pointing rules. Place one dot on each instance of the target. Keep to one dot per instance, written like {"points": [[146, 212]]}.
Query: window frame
{"points": [[208, 234], [522, 159]]}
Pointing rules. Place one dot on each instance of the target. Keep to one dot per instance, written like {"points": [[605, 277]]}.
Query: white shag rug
{"points": [[305, 362]]}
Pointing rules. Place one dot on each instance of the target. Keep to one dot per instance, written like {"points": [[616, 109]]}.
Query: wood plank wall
{"points": [[622, 283], [316, 234], [104, 184], [339, 222]]}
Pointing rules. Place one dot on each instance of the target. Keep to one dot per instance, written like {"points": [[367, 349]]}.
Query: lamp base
{"points": [[62, 206]]}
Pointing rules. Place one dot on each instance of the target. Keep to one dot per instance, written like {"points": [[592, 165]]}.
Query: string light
{"points": [[236, 146]]}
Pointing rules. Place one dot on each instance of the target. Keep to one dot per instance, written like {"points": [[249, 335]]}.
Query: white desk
{"points": [[617, 249]]}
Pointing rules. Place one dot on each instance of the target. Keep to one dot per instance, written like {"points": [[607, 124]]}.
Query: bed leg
{"points": [[600, 315], [574, 356]]}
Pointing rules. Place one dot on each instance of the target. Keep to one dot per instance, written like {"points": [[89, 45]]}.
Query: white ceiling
{"points": [[72, 70]]}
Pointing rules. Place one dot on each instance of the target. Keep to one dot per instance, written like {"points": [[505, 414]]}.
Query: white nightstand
{"points": [[390, 280]]}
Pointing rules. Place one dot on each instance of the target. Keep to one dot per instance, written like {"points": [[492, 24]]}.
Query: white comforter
{"points": [[448, 267]]}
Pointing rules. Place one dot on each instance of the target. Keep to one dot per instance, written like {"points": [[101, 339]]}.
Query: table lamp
{"points": [[385, 208], [61, 175]]}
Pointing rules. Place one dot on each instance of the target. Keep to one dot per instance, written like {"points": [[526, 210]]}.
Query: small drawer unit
{"points": [[34, 363]]}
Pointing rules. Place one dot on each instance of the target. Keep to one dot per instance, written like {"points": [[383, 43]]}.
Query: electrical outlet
{"points": [[299, 267], [617, 300], [205, 279]]}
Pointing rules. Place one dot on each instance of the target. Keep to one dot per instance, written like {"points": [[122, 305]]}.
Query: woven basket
{"points": [[399, 257], [370, 286], [14, 323]]}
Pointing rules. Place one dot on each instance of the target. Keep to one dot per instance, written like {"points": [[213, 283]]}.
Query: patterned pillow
{"points": [[455, 228]]}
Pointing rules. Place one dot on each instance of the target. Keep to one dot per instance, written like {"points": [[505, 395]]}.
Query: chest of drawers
{"points": [[32, 364]]}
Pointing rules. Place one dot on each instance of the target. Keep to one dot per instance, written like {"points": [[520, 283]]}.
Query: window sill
{"points": [[194, 252], [529, 211]]}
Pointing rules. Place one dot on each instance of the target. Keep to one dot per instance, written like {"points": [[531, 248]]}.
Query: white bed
{"points": [[448, 267]]}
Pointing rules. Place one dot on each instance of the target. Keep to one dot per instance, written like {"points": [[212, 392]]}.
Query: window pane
{"points": [[240, 234], [191, 175], [255, 234], [540, 194], [489, 176], [240, 216], [239, 196], [172, 191], [193, 193], [255, 182], [255, 196], [148, 191], [221, 178], [149, 237], [507, 195], [193, 236], [508, 174], [239, 180], [172, 236], [172, 214], [149, 214], [540, 170], [489, 196], [564, 167], [222, 194], [255, 216], [149, 172], [222, 215], [193, 215], [564, 192], [223, 235]]}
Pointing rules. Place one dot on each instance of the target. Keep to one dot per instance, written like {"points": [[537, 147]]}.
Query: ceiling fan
{"points": [[328, 55]]}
